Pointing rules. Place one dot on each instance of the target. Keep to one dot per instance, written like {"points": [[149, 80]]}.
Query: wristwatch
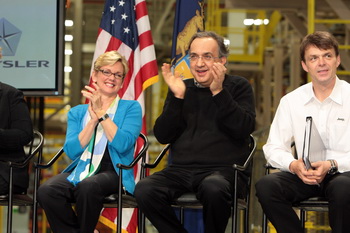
{"points": [[104, 117], [333, 168]]}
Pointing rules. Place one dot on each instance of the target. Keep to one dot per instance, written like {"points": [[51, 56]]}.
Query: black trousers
{"points": [[212, 187], [276, 192], [57, 193], [4, 187]]}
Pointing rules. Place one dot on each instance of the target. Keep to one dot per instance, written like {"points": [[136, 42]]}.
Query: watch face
{"points": [[333, 170]]}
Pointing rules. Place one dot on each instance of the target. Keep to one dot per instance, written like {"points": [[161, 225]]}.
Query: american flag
{"points": [[125, 27]]}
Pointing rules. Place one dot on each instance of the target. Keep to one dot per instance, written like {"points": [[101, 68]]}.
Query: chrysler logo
{"points": [[9, 37]]}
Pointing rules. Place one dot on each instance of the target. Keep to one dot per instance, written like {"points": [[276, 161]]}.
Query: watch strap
{"points": [[104, 117], [333, 169]]}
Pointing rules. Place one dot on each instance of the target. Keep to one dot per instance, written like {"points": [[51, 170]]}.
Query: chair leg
{"points": [[246, 220], [234, 218], [141, 221], [120, 204], [182, 210], [119, 220], [35, 196], [9, 216], [302, 218], [264, 225], [35, 203], [34, 219], [10, 203], [234, 222]]}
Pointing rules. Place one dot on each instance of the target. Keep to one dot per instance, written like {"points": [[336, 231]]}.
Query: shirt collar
{"points": [[197, 83], [310, 95], [335, 96]]}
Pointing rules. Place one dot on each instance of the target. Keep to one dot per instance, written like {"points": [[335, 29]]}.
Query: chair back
{"points": [[250, 164], [247, 167], [32, 149]]}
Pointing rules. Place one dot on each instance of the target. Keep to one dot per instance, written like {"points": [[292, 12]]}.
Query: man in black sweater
{"points": [[208, 121]]}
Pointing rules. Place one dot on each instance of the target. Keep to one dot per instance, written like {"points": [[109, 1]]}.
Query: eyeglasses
{"points": [[109, 73], [206, 58]]}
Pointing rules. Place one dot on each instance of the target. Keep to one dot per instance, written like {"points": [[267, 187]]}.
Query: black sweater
{"points": [[206, 130]]}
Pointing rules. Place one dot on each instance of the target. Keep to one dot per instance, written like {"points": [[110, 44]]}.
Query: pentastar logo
{"points": [[9, 37]]}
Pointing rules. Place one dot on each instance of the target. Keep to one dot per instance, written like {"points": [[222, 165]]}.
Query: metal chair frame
{"points": [[11, 199]]}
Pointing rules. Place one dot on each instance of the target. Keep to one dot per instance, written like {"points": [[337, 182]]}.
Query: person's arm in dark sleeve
{"points": [[170, 124], [236, 115], [20, 130]]}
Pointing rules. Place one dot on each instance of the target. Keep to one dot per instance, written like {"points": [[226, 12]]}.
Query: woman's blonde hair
{"points": [[110, 58]]}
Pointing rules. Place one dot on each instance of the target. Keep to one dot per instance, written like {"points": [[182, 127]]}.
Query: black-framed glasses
{"points": [[109, 73], [206, 57]]}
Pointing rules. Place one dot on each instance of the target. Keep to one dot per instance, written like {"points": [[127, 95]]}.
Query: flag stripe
{"points": [[142, 24], [147, 71], [141, 11], [146, 40]]}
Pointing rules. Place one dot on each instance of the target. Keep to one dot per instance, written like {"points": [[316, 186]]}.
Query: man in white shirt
{"points": [[327, 100]]}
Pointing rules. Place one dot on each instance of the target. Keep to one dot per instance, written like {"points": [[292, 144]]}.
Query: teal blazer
{"points": [[128, 118]]}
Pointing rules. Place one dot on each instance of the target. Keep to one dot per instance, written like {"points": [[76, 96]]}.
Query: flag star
{"points": [[113, 20], [121, 3], [112, 8], [124, 16], [126, 30]]}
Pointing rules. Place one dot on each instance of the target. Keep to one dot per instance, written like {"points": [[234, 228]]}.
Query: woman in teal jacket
{"points": [[99, 135]]}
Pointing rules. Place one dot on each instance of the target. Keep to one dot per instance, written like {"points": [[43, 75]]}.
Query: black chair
{"points": [[189, 200], [23, 199], [310, 204], [121, 199]]}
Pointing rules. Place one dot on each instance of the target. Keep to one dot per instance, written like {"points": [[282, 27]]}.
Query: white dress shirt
{"points": [[331, 118]]}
